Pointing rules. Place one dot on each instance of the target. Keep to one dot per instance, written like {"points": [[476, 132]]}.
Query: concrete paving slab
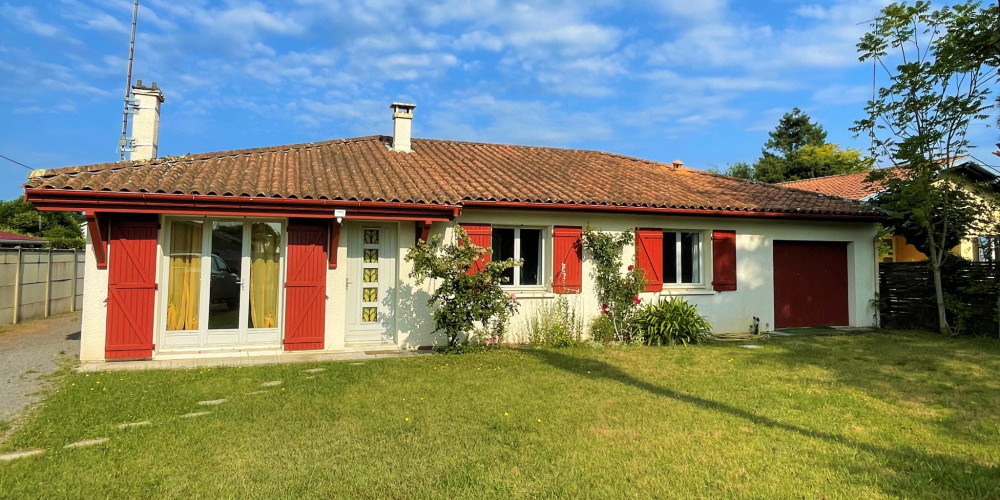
{"points": [[19, 454], [273, 383], [195, 414], [212, 402], [87, 442], [128, 425]]}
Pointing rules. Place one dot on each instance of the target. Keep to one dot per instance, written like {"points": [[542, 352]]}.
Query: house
{"points": [[301, 247], [8, 240], [854, 186]]}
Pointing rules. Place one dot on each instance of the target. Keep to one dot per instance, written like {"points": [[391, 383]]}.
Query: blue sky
{"points": [[697, 80]]}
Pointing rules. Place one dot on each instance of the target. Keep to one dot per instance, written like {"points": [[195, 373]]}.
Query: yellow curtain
{"points": [[184, 288], [264, 274]]}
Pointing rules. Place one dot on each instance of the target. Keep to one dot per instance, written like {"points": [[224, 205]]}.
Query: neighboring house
{"points": [[854, 187], [8, 240], [302, 247]]}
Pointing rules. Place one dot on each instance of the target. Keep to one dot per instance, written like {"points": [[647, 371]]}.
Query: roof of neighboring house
{"points": [[850, 186], [855, 187], [20, 239], [440, 172]]}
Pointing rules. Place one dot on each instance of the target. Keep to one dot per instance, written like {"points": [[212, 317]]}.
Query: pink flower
{"points": [[513, 297], [631, 267]]}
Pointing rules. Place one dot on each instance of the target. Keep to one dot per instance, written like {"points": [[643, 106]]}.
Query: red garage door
{"points": [[810, 284]]}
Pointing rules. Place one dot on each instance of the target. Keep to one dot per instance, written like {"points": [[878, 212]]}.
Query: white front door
{"points": [[371, 281]]}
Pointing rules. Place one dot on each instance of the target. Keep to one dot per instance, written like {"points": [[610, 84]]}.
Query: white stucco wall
{"points": [[94, 316], [727, 311]]}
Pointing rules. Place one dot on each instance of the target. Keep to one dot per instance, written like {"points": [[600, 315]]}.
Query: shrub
{"points": [[671, 322], [602, 329], [555, 324], [462, 298], [618, 292]]}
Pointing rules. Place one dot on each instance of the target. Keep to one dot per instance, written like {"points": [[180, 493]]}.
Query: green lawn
{"points": [[855, 416]]}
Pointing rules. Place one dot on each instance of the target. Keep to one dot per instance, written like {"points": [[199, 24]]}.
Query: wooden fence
{"points": [[907, 299], [37, 283]]}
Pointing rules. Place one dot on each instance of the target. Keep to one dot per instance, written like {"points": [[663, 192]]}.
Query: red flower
{"points": [[631, 267], [604, 308], [637, 300]]}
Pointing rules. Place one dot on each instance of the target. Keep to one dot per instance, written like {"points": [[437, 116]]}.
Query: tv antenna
{"points": [[125, 142]]}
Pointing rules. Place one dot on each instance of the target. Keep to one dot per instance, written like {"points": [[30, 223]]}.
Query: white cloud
{"points": [[840, 94], [26, 19], [483, 117]]}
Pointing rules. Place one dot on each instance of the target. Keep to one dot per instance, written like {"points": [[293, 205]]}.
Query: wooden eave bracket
{"points": [[97, 226], [423, 231]]}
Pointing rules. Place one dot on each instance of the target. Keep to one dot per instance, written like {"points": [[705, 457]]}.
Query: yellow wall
{"points": [[905, 252]]}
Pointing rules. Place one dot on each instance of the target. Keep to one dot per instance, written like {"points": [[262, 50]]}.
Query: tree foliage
{"points": [[61, 229], [940, 68], [462, 298], [797, 149]]}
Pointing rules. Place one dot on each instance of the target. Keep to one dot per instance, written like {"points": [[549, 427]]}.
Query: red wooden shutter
{"points": [[305, 286], [481, 235], [724, 260], [649, 256], [131, 289], [567, 259]]}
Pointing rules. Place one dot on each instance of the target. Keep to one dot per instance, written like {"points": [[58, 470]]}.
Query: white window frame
{"points": [[702, 268], [543, 246], [246, 334]]}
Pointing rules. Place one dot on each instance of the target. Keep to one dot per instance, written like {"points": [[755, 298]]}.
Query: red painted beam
{"points": [[160, 203], [98, 229], [514, 205]]}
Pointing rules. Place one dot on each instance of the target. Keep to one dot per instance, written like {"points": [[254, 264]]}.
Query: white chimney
{"points": [[402, 119], [146, 121]]}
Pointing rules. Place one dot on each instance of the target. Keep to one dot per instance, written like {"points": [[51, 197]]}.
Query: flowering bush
{"points": [[617, 291], [462, 299]]}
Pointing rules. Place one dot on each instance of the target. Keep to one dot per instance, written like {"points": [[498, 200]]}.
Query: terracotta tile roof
{"points": [[850, 186], [5, 236], [441, 172]]}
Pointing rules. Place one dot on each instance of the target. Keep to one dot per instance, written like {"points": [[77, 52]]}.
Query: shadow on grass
{"points": [[950, 476]]}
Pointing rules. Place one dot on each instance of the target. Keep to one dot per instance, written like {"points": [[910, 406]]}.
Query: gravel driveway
{"points": [[28, 352]]}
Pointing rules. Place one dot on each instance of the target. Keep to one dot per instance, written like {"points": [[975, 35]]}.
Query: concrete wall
{"points": [[37, 282]]}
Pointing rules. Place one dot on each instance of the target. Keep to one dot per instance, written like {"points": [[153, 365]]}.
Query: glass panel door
{"points": [[223, 284], [226, 263], [184, 275], [265, 273]]}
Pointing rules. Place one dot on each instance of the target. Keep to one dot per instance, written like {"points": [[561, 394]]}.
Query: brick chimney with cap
{"points": [[146, 121], [678, 164], [402, 119]]}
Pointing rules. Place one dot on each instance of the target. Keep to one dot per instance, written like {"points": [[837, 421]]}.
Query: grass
{"points": [[902, 415]]}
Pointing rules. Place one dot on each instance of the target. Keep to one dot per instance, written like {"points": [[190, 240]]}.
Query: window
{"points": [[519, 243], [887, 249], [681, 257], [985, 248]]}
